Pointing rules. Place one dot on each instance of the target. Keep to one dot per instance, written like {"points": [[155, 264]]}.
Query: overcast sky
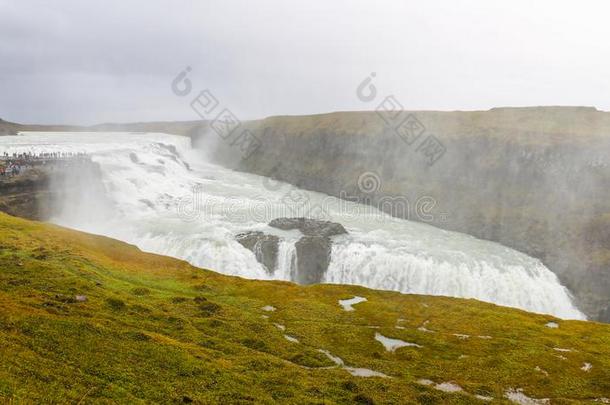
{"points": [[87, 62]]}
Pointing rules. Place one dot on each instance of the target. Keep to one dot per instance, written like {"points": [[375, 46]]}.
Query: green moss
{"points": [[154, 329], [115, 304], [140, 291]]}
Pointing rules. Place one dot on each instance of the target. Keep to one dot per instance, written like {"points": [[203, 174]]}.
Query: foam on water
{"points": [[149, 180]]}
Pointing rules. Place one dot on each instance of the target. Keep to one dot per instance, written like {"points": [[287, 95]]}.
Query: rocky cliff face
{"points": [[40, 192], [534, 179], [25, 195], [264, 247]]}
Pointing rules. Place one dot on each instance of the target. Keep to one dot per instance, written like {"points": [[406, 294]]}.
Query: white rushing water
{"points": [[149, 201]]}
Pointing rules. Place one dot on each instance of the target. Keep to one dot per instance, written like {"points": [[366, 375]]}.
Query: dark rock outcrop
{"points": [[264, 247], [309, 227], [312, 250], [313, 258]]}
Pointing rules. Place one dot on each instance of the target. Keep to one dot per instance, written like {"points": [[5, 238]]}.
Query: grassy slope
{"points": [[157, 329]]}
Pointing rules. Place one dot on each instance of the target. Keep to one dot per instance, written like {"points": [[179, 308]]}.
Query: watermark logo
{"points": [[366, 91], [295, 202], [181, 85], [223, 121], [190, 207], [369, 182], [405, 125], [204, 104], [432, 149]]}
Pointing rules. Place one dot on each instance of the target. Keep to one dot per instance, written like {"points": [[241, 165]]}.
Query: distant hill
{"points": [[187, 128], [87, 319], [12, 128]]}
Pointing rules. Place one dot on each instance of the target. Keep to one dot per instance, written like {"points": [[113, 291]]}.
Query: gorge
{"points": [[153, 190]]}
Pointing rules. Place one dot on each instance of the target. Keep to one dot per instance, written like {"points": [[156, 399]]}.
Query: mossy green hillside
{"points": [[88, 319]]}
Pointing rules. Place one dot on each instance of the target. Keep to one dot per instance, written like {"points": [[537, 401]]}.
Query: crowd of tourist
{"points": [[16, 163]]}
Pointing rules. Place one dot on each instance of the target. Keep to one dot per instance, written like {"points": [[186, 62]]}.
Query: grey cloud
{"points": [[86, 62]]}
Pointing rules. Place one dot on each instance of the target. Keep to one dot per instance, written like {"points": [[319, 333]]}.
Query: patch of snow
{"points": [[448, 387], [400, 327], [392, 345], [292, 339], [460, 336], [347, 304], [265, 316], [462, 356], [337, 360], [541, 370], [425, 381], [484, 337], [483, 398], [517, 396], [586, 367], [268, 308], [603, 400], [445, 386], [364, 372], [559, 349], [373, 327], [280, 326], [423, 328], [559, 356], [552, 325], [355, 371]]}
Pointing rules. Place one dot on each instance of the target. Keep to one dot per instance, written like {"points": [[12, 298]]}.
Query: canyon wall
{"points": [[534, 179]]}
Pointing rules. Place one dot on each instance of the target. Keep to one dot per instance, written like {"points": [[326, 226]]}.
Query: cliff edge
{"points": [[534, 179]]}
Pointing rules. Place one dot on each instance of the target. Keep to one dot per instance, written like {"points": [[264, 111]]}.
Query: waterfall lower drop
{"points": [[165, 199], [286, 261], [372, 265]]}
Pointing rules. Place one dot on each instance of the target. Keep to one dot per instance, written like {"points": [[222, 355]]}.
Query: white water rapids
{"points": [[148, 182]]}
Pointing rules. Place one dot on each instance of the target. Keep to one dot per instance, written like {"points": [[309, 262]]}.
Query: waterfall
{"points": [[165, 199], [533, 287], [286, 261]]}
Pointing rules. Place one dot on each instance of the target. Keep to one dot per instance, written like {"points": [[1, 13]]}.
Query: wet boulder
{"points": [[313, 250], [313, 258], [264, 247]]}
